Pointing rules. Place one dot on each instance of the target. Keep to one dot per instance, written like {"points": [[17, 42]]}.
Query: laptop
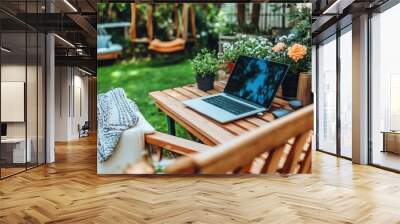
{"points": [[250, 90]]}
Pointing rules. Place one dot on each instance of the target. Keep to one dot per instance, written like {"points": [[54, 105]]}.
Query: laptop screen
{"points": [[256, 80]]}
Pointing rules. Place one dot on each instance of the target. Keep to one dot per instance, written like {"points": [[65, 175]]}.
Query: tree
{"points": [[255, 16], [241, 13]]}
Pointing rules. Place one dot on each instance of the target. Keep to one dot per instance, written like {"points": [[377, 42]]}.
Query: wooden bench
{"points": [[282, 146]]}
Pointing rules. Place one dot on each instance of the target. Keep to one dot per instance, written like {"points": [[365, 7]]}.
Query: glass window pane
{"points": [[14, 153], [41, 99], [22, 87], [346, 94], [385, 84], [31, 97], [327, 96]]}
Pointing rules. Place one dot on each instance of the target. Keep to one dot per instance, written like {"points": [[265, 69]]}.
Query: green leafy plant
{"points": [[252, 46], [205, 63], [223, 25], [301, 18]]}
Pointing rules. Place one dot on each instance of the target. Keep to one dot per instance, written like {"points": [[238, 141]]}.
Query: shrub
{"points": [[251, 46]]}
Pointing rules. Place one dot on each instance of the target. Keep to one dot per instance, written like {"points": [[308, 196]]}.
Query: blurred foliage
{"points": [[211, 21], [113, 12], [301, 18], [164, 26], [223, 25]]}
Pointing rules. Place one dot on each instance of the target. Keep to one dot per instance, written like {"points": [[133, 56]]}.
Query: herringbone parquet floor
{"points": [[69, 191]]}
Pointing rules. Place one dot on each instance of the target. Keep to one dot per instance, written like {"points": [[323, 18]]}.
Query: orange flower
{"points": [[279, 47], [297, 52]]}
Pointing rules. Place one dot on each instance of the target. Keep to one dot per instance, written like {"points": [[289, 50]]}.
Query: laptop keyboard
{"points": [[229, 105]]}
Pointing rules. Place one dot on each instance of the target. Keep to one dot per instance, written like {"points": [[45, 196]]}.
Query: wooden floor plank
{"points": [[70, 191]]}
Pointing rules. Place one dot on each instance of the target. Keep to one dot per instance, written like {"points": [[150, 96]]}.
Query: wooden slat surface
{"points": [[70, 191], [175, 144], [206, 129], [177, 110]]}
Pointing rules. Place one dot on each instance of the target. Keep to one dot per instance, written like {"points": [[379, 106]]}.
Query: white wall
{"points": [[71, 102], [33, 127], [62, 81], [80, 110], [12, 73]]}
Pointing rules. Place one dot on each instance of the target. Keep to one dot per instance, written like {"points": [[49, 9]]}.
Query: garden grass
{"points": [[140, 78]]}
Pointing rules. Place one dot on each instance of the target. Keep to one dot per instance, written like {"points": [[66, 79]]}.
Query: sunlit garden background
{"points": [[227, 30]]}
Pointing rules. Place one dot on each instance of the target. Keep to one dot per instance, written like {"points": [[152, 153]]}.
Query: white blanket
{"points": [[115, 114], [128, 150]]}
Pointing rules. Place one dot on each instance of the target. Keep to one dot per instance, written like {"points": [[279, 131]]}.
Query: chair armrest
{"points": [[175, 144]]}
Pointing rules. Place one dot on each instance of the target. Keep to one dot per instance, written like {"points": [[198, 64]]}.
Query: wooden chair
{"points": [[284, 147]]}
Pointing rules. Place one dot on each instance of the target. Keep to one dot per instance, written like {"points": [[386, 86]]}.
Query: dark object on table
{"points": [[289, 85], [205, 83], [280, 112], [295, 104], [84, 130]]}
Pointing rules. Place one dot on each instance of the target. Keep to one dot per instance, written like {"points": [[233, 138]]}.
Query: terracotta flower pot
{"points": [[229, 67], [206, 82], [304, 93]]}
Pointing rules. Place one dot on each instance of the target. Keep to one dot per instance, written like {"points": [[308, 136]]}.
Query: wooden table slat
{"points": [[195, 90], [212, 131], [231, 127], [188, 127], [243, 123], [206, 129]]}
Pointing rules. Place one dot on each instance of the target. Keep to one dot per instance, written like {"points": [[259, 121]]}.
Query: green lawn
{"points": [[140, 78]]}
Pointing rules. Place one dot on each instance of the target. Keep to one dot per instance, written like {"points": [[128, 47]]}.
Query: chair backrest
{"points": [[283, 146]]}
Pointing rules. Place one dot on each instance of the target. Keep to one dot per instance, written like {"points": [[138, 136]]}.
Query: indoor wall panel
{"points": [[22, 62]]}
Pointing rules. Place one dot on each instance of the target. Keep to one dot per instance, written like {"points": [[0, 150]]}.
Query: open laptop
{"points": [[251, 89]]}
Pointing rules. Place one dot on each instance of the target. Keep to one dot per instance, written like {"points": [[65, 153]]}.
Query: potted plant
{"points": [[294, 54], [228, 56], [295, 50], [205, 65]]}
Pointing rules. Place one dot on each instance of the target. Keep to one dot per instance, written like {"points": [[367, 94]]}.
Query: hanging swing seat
{"points": [[167, 46]]}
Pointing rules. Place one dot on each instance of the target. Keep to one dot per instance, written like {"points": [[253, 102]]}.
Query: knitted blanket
{"points": [[115, 114]]}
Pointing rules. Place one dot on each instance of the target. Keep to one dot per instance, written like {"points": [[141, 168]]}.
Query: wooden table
{"points": [[391, 141], [208, 131]]}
